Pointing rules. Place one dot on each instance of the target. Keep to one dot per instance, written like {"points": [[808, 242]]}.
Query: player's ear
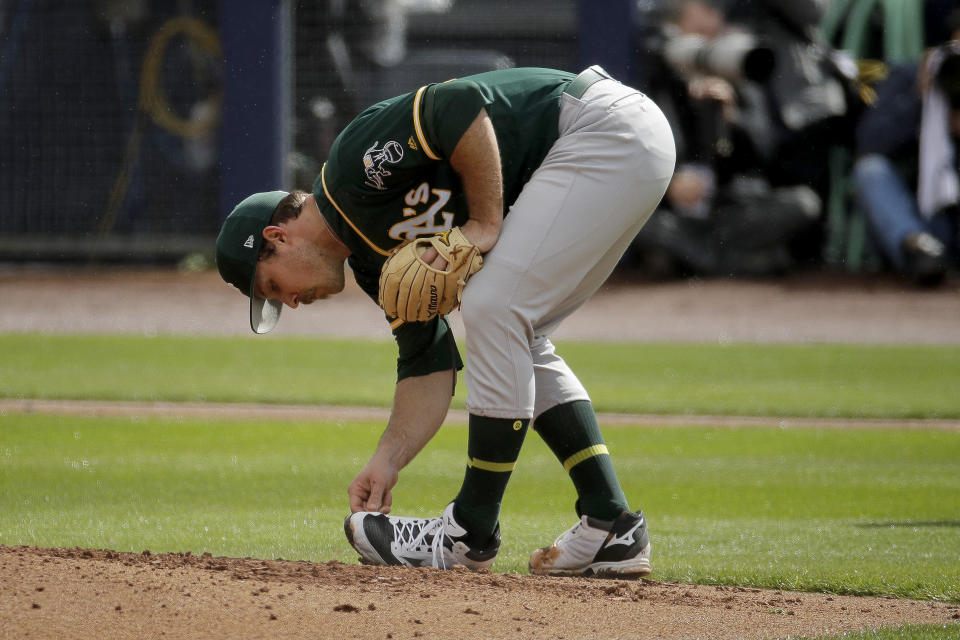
{"points": [[274, 233]]}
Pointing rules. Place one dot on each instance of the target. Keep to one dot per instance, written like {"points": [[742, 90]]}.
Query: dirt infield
{"points": [[806, 307], [67, 593], [83, 593]]}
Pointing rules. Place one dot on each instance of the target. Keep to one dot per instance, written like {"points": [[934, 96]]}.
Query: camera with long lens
{"points": [[734, 56]]}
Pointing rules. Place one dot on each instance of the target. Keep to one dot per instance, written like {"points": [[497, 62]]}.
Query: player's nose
{"points": [[292, 300]]}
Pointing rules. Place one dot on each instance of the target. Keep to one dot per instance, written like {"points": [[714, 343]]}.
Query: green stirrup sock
{"points": [[492, 451], [572, 433]]}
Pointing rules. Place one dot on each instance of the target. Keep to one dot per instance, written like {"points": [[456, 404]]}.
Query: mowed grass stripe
{"points": [[877, 381], [262, 411]]}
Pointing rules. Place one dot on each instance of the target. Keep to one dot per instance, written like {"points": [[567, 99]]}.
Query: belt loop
{"points": [[587, 78], [600, 70]]}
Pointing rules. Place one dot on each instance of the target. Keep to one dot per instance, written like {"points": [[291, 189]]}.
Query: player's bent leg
{"points": [[499, 376], [556, 383], [598, 548], [493, 446], [572, 433], [417, 542]]}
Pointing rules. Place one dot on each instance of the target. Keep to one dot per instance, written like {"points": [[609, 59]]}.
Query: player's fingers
{"points": [[358, 496], [387, 502], [429, 255], [434, 258], [375, 498]]}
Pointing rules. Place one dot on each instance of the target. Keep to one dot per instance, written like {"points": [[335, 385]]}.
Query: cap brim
{"points": [[264, 314]]}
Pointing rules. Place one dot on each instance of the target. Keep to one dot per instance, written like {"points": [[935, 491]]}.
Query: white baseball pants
{"points": [[597, 186]]}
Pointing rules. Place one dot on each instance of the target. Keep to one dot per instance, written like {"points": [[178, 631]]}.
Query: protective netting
{"points": [[110, 111]]}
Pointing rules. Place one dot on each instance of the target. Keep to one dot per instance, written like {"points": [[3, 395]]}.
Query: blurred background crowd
{"points": [[811, 134]]}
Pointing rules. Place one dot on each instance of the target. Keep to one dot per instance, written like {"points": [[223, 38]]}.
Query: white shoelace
{"points": [[439, 560], [413, 533]]}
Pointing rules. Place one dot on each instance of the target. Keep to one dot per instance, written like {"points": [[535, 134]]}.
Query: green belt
{"points": [[579, 85]]}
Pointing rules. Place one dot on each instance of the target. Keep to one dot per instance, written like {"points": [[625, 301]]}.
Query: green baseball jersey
{"points": [[387, 179]]}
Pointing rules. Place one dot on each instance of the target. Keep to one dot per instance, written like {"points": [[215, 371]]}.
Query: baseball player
{"points": [[516, 192]]}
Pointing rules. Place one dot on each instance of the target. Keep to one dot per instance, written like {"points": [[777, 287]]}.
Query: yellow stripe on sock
{"points": [[496, 467], [583, 454]]}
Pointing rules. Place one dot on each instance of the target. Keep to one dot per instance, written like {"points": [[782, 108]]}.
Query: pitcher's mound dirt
{"points": [[83, 593]]}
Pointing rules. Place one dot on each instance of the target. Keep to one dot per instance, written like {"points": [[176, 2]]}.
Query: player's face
{"points": [[298, 273]]}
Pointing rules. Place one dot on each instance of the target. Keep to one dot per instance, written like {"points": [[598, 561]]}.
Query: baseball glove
{"points": [[413, 291]]}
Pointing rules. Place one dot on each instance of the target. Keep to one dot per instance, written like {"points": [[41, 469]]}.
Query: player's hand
{"points": [[371, 489], [482, 237]]}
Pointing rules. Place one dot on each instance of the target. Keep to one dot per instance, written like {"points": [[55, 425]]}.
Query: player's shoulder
{"points": [[377, 144], [377, 120], [521, 74]]}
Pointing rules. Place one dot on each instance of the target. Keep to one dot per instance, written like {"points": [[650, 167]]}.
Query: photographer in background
{"points": [[906, 172], [753, 118]]}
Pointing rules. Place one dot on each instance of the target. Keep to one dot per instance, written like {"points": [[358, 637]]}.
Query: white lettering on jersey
{"points": [[425, 223], [420, 195]]}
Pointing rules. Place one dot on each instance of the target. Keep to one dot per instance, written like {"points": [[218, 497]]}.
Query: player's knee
{"points": [[484, 306]]}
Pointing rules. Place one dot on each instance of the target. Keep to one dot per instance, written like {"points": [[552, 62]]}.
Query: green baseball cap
{"points": [[238, 247]]}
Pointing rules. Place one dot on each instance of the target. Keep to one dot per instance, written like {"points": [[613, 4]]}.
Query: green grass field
{"points": [[736, 379], [870, 512], [906, 632]]}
